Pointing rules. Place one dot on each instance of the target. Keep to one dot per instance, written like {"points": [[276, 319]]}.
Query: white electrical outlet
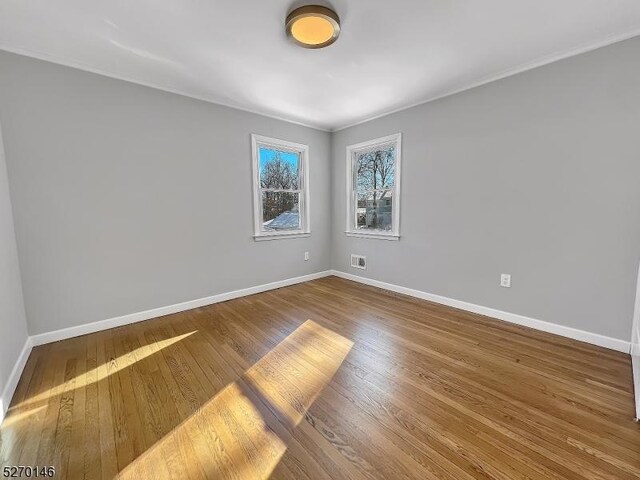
{"points": [[505, 280], [359, 261], [306, 256]]}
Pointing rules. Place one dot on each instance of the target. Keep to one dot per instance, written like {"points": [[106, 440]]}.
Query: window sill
{"points": [[280, 236], [377, 236]]}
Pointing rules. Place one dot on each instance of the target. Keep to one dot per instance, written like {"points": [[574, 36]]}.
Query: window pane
{"points": [[280, 211], [375, 169], [279, 169], [374, 210]]}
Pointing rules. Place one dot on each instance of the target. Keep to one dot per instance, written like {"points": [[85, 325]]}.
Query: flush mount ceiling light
{"points": [[313, 26]]}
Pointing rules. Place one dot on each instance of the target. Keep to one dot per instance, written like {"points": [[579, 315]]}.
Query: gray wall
{"points": [[537, 175], [127, 198], [13, 324]]}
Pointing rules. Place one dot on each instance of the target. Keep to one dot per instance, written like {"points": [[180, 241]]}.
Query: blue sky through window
{"points": [[268, 154]]}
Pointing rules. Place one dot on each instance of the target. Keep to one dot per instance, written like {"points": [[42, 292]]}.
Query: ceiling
{"points": [[390, 55]]}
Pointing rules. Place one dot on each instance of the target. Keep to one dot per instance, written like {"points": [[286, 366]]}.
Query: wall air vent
{"points": [[358, 261]]}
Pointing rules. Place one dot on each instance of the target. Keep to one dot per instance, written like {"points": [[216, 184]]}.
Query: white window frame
{"points": [[352, 151], [258, 141]]}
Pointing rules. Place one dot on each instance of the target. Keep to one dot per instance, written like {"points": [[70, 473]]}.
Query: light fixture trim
{"points": [[313, 11]]}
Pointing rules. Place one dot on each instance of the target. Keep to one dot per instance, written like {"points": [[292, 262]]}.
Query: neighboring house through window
{"points": [[373, 188], [280, 188]]}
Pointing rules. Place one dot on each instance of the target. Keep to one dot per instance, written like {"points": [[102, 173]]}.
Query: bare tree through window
{"points": [[375, 176], [280, 186]]}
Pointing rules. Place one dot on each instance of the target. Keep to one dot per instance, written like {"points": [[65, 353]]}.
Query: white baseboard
{"points": [[71, 332], [14, 377], [7, 394], [635, 365], [581, 335], [635, 348], [54, 336]]}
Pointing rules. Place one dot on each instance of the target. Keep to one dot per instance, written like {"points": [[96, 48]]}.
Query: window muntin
{"points": [[373, 186], [280, 188]]}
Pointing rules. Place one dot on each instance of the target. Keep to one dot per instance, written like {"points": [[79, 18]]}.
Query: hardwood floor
{"points": [[324, 380]]}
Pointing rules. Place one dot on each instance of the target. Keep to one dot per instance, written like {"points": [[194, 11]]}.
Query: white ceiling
{"points": [[391, 54]]}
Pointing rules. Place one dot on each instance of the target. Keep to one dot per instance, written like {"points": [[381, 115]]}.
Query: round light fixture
{"points": [[313, 26]]}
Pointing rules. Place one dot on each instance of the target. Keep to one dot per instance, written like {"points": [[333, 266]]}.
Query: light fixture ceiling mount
{"points": [[313, 26]]}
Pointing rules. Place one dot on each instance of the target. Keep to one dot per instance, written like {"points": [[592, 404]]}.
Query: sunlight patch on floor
{"points": [[99, 373], [238, 433]]}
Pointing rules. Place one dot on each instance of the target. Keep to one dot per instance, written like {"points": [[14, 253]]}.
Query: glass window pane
{"points": [[280, 211], [374, 210], [375, 169], [279, 169]]}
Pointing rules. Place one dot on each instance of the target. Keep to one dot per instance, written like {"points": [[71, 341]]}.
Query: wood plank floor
{"points": [[324, 380]]}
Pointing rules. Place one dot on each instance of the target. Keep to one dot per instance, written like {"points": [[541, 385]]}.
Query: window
{"points": [[280, 188], [373, 188]]}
